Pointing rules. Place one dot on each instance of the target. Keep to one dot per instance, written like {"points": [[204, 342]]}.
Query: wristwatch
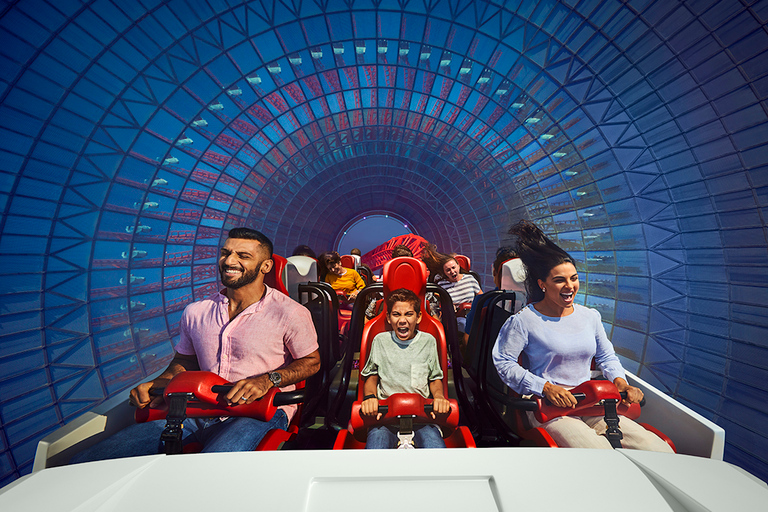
{"points": [[275, 378]]}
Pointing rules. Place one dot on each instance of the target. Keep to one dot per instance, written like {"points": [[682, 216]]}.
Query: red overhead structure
{"points": [[376, 258]]}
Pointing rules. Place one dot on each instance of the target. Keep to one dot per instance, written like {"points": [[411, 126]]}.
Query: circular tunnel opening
{"points": [[371, 230]]}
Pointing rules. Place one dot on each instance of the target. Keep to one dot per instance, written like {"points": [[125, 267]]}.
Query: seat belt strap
{"points": [[174, 425], [612, 431], [405, 433]]}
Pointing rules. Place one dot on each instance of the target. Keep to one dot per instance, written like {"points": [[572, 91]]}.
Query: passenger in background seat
{"points": [[461, 287], [403, 360], [401, 250], [447, 273], [342, 279], [360, 264], [304, 250], [503, 254], [434, 261], [398, 251]]}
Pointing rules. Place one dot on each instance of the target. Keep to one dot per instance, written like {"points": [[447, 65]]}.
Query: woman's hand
{"points": [[634, 395], [559, 396]]}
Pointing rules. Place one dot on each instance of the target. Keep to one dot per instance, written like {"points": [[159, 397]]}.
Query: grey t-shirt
{"points": [[403, 366]]}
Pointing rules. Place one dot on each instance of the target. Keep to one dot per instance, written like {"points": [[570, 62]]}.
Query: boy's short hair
{"points": [[403, 295]]}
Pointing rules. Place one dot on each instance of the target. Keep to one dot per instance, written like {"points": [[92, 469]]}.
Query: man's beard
{"points": [[234, 283]]}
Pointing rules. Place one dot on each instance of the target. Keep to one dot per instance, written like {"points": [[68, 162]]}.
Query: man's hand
{"points": [[370, 407], [559, 396], [247, 391], [141, 398], [440, 406]]}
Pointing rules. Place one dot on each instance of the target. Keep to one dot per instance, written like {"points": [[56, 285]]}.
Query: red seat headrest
{"points": [[347, 261], [274, 278]]}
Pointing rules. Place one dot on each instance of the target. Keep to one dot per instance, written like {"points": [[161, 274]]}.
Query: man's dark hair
{"points": [[356, 252], [403, 295], [304, 250], [401, 250], [252, 234]]}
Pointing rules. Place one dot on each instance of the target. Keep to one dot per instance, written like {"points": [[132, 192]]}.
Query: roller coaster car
{"points": [[407, 273], [595, 398], [196, 394]]}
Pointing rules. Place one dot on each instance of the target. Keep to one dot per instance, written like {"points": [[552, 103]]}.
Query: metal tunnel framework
{"points": [[135, 134]]}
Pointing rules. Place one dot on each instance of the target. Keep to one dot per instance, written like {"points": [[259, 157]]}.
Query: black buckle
{"points": [[174, 427], [612, 431]]}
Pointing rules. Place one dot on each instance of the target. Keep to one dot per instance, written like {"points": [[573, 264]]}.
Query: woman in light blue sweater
{"points": [[560, 339]]}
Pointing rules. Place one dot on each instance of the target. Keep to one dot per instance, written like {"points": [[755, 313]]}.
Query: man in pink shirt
{"points": [[250, 334]]}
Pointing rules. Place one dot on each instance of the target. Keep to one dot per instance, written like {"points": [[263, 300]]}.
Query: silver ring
{"points": [[243, 398]]}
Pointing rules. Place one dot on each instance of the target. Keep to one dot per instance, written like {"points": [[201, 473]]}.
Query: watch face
{"points": [[275, 378]]}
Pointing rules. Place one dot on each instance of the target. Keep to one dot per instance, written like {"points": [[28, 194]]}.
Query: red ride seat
{"points": [[274, 279], [348, 261], [407, 273], [464, 262], [209, 402], [595, 392]]}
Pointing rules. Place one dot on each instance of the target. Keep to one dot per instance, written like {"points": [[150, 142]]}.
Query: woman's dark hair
{"points": [[252, 234], [435, 261], [539, 255]]}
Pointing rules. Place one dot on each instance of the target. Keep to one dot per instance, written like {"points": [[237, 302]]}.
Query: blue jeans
{"points": [[382, 438], [230, 435]]}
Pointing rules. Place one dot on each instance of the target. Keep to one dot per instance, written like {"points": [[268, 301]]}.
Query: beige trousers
{"points": [[586, 432]]}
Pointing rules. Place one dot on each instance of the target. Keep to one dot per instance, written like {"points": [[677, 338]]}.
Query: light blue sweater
{"points": [[559, 349]]}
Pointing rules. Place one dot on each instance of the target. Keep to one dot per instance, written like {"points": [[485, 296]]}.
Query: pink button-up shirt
{"points": [[266, 336]]}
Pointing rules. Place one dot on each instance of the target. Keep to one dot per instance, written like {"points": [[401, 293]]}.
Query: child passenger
{"points": [[403, 360]]}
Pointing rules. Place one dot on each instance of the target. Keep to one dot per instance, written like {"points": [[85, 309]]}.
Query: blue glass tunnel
{"points": [[133, 135]]}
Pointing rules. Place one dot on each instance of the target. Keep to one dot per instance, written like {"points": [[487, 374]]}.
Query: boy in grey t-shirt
{"points": [[403, 361]]}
